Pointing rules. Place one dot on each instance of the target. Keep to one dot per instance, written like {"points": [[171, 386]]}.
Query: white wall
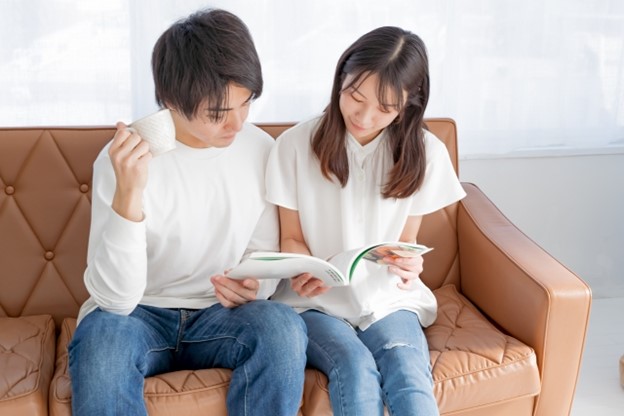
{"points": [[572, 206]]}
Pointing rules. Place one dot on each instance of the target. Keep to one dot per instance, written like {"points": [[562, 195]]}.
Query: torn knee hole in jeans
{"points": [[397, 345]]}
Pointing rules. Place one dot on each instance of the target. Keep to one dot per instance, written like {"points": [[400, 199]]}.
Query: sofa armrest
{"points": [[527, 293], [26, 364]]}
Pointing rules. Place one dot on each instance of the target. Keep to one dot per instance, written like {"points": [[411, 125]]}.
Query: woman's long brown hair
{"points": [[399, 59]]}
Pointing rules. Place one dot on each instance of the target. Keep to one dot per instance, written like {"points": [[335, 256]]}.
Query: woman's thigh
{"points": [[399, 329]]}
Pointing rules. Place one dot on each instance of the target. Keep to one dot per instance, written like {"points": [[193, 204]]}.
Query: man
{"points": [[164, 230]]}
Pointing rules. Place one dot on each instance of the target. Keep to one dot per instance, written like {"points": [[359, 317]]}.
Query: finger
{"points": [[406, 276], [121, 135], [412, 264], [305, 283], [235, 291], [124, 143], [319, 291], [403, 273], [251, 284], [223, 300], [221, 296], [127, 138], [244, 290], [314, 287], [297, 282], [123, 131], [310, 287], [228, 298]]}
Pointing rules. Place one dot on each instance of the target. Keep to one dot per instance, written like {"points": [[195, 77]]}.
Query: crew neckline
{"points": [[199, 152]]}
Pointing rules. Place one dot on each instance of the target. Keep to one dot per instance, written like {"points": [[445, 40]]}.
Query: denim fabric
{"points": [[263, 342], [388, 363]]}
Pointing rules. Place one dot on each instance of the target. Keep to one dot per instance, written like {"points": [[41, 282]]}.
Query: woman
{"points": [[363, 172]]}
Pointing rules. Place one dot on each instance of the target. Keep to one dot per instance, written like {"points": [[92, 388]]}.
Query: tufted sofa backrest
{"points": [[45, 207]]}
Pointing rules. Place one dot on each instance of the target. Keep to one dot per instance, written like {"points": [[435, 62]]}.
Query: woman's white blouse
{"points": [[335, 219]]}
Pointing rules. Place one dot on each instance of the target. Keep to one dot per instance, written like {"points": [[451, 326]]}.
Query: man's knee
{"points": [[279, 327], [103, 340]]}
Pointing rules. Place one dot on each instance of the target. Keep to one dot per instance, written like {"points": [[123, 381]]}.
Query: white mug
{"points": [[158, 130]]}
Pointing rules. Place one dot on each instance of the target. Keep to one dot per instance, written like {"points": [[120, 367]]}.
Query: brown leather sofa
{"points": [[508, 339]]}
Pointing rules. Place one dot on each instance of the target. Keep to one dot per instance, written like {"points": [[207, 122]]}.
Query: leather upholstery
{"points": [[501, 344], [26, 363]]}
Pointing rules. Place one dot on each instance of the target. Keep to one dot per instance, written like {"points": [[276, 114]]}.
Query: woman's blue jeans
{"points": [[263, 342], [388, 363]]}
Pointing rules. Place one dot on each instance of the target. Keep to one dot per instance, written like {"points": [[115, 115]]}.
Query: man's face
{"points": [[202, 132]]}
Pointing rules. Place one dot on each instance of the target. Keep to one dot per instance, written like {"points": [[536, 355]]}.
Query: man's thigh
{"points": [[224, 337], [143, 338]]}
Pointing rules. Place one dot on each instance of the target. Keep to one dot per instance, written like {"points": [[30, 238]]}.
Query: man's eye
{"points": [[213, 114]]}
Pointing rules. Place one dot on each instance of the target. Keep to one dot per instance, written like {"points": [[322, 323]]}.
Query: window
{"points": [[537, 75]]}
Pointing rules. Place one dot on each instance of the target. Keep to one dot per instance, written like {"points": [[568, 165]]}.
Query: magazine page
{"points": [[275, 265], [348, 260], [336, 271], [395, 250]]}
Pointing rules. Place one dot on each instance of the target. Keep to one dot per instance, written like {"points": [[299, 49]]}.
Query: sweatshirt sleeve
{"points": [[116, 272]]}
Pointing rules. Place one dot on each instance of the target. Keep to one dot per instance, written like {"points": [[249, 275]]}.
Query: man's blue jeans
{"points": [[263, 342], [387, 363]]}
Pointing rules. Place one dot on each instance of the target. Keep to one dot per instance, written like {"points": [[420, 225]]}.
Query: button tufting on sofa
{"points": [[501, 344]]}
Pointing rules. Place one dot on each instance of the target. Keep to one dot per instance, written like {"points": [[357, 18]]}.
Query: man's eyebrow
{"points": [[220, 109]]}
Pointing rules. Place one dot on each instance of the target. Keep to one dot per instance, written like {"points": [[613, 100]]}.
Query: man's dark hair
{"points": [[195, 60]]}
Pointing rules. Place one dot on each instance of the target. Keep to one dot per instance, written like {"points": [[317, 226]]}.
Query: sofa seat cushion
{"points": [[27, 361], [474, 363], [182, 392]]}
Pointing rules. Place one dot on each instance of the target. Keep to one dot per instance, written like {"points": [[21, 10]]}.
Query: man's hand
{"points": [[232, 292], [130, 156], [307, 285]]}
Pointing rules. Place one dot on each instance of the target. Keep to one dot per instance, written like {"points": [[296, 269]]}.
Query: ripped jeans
{"points": [[388, 363]]}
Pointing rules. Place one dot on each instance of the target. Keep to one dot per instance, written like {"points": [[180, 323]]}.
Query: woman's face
{"points": [[364, 116]]}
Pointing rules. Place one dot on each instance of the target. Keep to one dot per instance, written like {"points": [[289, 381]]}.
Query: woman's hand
{"points": [[407, 268], [308, 286], [233, 292]]}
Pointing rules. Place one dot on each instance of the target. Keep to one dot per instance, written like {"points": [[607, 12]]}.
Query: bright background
{"points": [[536, 87]]}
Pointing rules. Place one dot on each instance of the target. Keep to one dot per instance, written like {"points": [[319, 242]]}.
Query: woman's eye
{"points": [[355, 99]]}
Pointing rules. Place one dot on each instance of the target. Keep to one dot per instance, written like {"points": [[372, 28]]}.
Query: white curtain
{"points": [[519, 77]]}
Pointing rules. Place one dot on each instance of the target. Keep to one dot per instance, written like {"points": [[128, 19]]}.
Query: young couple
{"points": [[165, 230]]}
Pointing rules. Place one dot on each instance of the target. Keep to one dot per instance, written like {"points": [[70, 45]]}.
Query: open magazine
{"points": [[335, 271]]}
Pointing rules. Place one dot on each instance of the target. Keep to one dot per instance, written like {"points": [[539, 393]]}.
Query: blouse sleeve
{"points": [[441, 186], [281, 173]]}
